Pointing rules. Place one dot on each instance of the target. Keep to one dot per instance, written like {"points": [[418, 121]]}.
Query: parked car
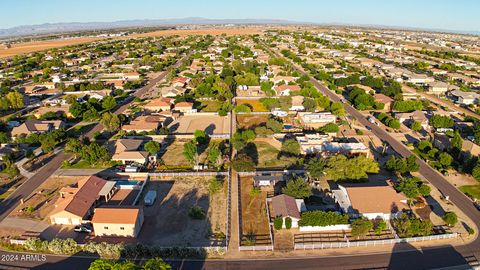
{"points": [[150, 197], [85, 228]]}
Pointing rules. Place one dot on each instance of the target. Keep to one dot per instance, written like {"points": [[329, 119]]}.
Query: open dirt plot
{"points": [[211, 124], [255, 228], [250, 121], [167, 222], [28, 47], [171, 156]]}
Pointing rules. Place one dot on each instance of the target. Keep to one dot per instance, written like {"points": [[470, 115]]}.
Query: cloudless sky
{"points": [[441, 14]]}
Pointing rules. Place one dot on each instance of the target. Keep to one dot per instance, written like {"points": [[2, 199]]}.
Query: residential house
{"points": [[386, 100], [371, 202], [185, 107], [465, 98], [267, 180], [159, 104], [285, 89], [118, 221], [297, 103], [316, 120], [410, 117], [438, 88], [76, 203], [286, 206], [37, 126], [144, 123], [127, 151]]}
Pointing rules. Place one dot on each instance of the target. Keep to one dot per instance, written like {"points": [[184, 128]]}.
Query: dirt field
{"points": [[173, 156], [44, 197], [211, 124], [210, 31], [167, 222], [29, 47], [247, 121], [255, 227], [268, 156]]}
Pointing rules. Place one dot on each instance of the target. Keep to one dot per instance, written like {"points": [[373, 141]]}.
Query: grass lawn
{"points": [[268, 156], [255, 104], [209, 106], [472, 190]]}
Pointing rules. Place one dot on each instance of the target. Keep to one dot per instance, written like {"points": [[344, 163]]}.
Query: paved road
{"points": [[22, 192], [434, 177]]}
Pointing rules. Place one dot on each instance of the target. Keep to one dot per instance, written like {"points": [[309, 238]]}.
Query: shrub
{"points": [[278, 223], [214, 186], [255, 192], [450, 218], [381, 226], [360, 227], [196, 212], [321, 218], [288, 223]]}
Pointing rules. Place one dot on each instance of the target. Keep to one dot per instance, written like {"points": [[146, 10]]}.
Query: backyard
{"points": [[249, 121], [268, 156], [254, 104]]}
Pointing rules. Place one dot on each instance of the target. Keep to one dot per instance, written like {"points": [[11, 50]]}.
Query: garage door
{"points": [[64, 221]]}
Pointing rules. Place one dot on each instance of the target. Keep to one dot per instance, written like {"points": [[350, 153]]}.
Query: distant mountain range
{"points": [[54, 28]]}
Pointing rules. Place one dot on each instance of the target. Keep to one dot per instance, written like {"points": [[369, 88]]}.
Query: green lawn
{"points": [[473, 190], [209, 106]]}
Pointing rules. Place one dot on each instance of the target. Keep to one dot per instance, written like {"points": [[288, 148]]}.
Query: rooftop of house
{"points": [[285, 206], [375, 199], [79, 199], [116, 215]]}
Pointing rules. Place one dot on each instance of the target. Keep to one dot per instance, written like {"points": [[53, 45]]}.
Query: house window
{"points": [[122, 228], [106, 228]]}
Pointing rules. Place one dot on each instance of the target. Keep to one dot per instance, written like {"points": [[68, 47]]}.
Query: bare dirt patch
{"points": [[248, 121], [28, 47], [167, 222], [255, 227]]}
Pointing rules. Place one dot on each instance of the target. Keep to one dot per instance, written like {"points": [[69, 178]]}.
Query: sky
{"points": [[459, 15]]}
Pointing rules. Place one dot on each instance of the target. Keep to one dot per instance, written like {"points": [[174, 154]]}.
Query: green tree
{"points": [[214, 157], [297, 188], [337, 109], [288, 223], [15, 99], [109, 103], [278, 223], [441, 121], [329, 128], [445, 159], [380, 227], [416, 126], [412, 187], [95, 153], [190, 152], [111, 122], [361, 227], [275, 125], [450, 218], [309, 104], [290, 147], [315, 167], [152, 147], [243, 163], [340, 167]]}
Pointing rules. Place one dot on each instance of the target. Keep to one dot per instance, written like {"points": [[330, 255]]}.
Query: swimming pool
{"points": [[127, 184]]}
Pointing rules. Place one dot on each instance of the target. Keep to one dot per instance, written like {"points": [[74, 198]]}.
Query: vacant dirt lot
{"points": [[210, 123], [167, 222], [248, 121], [28, 47], [255, 227]]}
